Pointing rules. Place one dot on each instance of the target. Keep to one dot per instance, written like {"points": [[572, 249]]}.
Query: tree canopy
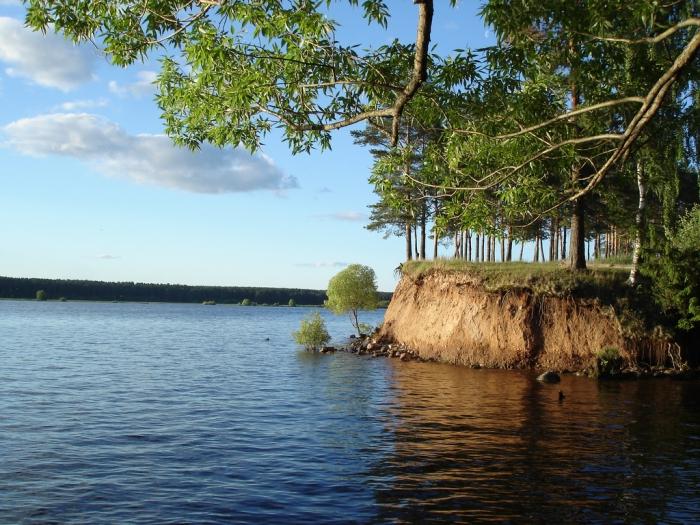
{"points": [[582, 121], [351, 290]]}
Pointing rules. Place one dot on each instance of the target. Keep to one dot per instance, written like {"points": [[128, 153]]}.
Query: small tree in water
{"points": [[312, 333], [353, 289], [40, 295]]}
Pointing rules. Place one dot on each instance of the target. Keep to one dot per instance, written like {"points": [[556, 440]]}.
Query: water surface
{"points": [[164, 413]]}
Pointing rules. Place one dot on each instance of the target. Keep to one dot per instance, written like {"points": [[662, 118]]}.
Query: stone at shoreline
{"points": [[328, 349], [549, 377]]}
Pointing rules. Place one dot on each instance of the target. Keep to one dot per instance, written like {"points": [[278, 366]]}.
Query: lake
{"points": [[176, 413]]}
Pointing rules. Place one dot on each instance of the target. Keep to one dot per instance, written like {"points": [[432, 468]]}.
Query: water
{"points": [[163, 413]]}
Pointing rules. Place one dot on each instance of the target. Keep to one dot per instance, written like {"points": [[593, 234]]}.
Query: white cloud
{"points": [[151, 159], [107, 257], [49, 60], [76, 105], [142, 87], [350, 216], [323, 264]]}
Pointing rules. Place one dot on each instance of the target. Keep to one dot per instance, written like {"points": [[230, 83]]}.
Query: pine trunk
{"points": [[639, 224]]}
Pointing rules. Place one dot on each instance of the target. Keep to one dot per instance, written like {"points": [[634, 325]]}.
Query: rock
{"points": [[549, 377], [353, 336], [328, 350], [369, 346]]}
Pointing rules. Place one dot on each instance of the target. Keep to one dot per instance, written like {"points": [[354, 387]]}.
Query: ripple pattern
{"points": [[163, 413]]}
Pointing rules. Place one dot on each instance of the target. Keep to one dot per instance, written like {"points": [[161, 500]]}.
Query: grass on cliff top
{"points": [[553, 278]]}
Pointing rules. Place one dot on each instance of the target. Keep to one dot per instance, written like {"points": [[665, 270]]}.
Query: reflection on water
{"points": [[129, 413], [497, 445]]}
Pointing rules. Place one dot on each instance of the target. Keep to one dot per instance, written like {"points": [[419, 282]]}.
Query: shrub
{"points": [[246, 302], [607, 362], [40, 295], [292, 302], [312, 333]]}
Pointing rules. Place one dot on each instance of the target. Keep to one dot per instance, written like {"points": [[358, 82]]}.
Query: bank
{"points": [[520, 315]]}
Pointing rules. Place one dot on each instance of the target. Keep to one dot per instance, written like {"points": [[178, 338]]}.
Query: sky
{"points": [[93, 189]]}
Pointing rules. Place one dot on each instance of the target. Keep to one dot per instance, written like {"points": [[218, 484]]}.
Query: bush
{"points": [[246, 302], [40, 295], [607, 362], [674, 275], [292, 302], [312, 333]]}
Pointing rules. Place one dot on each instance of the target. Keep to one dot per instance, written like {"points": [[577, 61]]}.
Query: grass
{"points": [[554, 278]]}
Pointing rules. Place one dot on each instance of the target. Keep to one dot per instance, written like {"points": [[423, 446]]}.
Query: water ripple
{"points": [[158, 413]]}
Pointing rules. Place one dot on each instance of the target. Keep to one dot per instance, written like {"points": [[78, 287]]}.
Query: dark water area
{"points": [[164, 413]]}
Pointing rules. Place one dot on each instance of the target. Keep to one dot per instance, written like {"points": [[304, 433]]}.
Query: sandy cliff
{"points": [[452, 318]]}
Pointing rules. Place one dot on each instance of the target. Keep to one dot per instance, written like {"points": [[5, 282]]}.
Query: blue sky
{"points": [[91, 189]]}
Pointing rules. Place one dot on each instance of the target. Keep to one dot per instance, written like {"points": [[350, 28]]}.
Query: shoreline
{"points": [[376, 348]]}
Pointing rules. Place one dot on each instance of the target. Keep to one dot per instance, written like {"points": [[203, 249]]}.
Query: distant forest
{"points": [[26, 288]]}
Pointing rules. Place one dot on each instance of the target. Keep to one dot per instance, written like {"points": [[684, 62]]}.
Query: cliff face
{"points": [[451, 318]]}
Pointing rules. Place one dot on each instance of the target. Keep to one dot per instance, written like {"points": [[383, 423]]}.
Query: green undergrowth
{"points": [[551, 279]]}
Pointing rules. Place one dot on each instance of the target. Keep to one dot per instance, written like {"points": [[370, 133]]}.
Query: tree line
{"points": [[69, 289]]}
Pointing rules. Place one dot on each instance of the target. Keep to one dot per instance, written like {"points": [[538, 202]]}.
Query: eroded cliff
{"points": [[453, 318]]}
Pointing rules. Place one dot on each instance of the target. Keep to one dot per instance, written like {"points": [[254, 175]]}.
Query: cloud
{"points": [[107, 257], [151, 159], [142, 87], [325, 189], [349, 216], [323, 264], [76, 105], [48, 60]]}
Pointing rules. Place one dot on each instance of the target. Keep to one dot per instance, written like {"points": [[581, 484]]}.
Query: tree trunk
{"points": [[409, 249], [522, 247], [563, 243], [488, 249], [503, 248], [577, 256], [435, 243], [509, 251], [415, 240], [639, 224], [476, 246], [483, 247], [458, 245], [536, 254], [422, 233]]}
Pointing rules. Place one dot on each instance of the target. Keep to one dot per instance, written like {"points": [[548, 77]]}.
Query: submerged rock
{"points": [[549, 377]]}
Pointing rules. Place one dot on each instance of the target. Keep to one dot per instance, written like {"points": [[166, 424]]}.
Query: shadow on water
{"points": [[480, 445]]}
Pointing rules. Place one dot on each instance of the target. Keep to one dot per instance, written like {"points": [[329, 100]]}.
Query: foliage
{"points": [[312, 333], [40, 295], [608, 362], [674, 272], [353, 289], [246, 302], [292, 302]]}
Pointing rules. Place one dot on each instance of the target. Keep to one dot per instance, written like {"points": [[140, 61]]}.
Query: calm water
{"points": [[161, 413]]}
